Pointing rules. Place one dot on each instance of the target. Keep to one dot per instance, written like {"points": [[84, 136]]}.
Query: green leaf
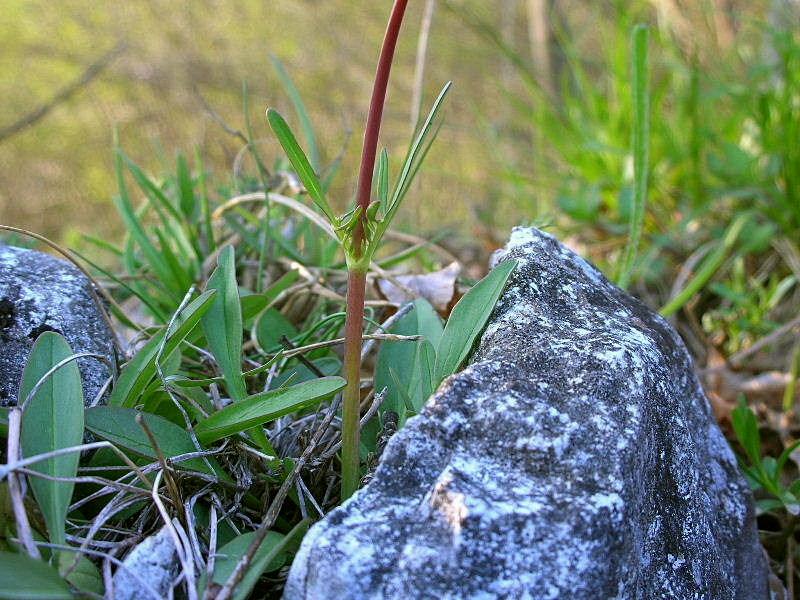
{"points": [[413, 362], [135, 227], [641, 145], [708, 267], [383, 177], [265, 407], [53, 419], [300, 110], [468, 319], [86, 576], [119, 426], [4, 420], [270, 326], [300, 162], [255, 303], [23, 578], [188, 203], [229, 554], [272, 554], [416, 154], [745, 426], [222, 323], [141, 369]]}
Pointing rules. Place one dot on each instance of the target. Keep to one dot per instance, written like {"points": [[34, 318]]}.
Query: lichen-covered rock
{"points": [[41, 293], [576, 457], [150, 570]]}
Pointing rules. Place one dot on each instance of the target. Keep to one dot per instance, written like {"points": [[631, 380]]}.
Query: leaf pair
{"points": [[377, 223]]}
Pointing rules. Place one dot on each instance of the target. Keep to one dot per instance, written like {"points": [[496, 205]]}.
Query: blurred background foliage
{"points": [[494, 163]]}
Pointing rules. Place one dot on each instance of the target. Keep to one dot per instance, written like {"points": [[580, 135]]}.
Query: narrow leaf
{"points": [[188, 203], [265, 407], [300, 110], [142, 367], [119, 426], [468, 319], [255, 303], [222, 324], [300, 162], [641, 144], [412, 361]]}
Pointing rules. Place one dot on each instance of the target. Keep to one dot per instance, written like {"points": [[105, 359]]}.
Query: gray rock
{"points": [[576, 457], [38, 293], [150, 569]]}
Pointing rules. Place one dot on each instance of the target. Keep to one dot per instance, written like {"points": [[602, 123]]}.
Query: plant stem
{"points": [[356, 281], [373, 127]]}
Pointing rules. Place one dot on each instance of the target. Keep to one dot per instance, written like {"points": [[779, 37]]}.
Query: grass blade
{"points": [[709, 266], [53, 419], [641, 145], [187, 201]]}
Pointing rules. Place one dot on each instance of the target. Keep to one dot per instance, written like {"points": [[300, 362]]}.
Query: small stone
{"points": [[576, 457], [149, 570], [39, 293]]}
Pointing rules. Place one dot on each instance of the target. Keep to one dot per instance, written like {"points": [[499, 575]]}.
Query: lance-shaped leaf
{"points": [[300, 162], [222, 323], [265, 407], [52, 419], [468, 319]]}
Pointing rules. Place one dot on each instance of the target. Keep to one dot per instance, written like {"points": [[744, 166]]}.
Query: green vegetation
{"points": [[668, 154]]}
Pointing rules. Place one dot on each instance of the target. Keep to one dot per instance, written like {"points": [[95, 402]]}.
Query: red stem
{"points": [[356, 281], [374, 117]]}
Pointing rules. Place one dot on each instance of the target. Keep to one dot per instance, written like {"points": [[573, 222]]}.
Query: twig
{"points": [[40, 112], [215, 116], [107, 557], [287, 343], [212, 546], [14, 487], [172, 485], [401, 312]]}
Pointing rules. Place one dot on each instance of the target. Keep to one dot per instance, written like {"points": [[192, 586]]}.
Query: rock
{"points": [[576, 457], [41, 293], [149, 570]]}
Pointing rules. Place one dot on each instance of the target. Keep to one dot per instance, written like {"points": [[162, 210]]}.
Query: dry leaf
{"points": [[437, 287]]}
